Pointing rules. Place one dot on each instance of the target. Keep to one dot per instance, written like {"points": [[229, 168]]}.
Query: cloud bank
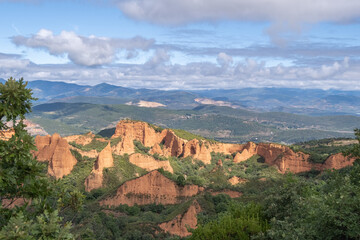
{"points": [[160, 73], [86, 51], [286, 11]]}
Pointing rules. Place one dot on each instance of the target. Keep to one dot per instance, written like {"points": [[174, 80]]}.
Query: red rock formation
{"points": [[178, 226], [225, 148], [91, 154], [274, 154], [149, 163], [81, 139], [135, 130], [151, 188], [249, 151], [156, 149], [173, 145], [200, 150], [338, 161], [286, 159], [104, 160], [236, 180], [56, 150]]}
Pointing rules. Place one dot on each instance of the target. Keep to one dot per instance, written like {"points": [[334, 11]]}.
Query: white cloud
{"points": [[224, 60], [87, 51], [160, 56], [286, 16], [160, 73], [287, 11]]}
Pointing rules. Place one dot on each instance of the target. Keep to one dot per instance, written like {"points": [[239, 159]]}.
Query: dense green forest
{"points": [[272, 205]]}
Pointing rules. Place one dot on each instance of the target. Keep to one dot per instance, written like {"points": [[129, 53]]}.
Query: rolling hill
{"points": [[220, 123], [314, 102]]}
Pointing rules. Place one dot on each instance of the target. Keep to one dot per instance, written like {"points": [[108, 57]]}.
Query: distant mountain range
{"points": [[314, 102]]}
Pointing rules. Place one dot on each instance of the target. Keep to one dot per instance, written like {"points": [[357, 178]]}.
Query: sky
{"points": [[187, 44]]}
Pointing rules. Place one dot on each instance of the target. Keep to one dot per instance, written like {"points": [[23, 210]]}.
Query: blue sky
{"points": [[188, 44]]}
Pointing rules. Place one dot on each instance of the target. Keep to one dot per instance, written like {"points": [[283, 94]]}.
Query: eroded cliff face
{"points": [[200, 150], [140, 131], [151, 188], [104, 160], [249, 150], [338, 161], [172, 145], [178, 226], [167, 143], [149, 163], [278, 155], [56, 150], [81, 139]]}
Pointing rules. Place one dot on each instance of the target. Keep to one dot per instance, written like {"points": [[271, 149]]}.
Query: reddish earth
{"points": [[178, 226], [285, 159], [151, 188], [338, 161], [56, 151], [81, 139], [149, 163], [172, 145], [236, 180], [104, 160]]}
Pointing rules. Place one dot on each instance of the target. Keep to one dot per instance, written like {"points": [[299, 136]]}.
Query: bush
{"points": [[140, 148]]}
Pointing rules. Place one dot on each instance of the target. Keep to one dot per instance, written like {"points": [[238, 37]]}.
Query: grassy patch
{"points": [[122, 171], [140, 148], [187, 135], [156, 128], [94, 144], [115, 141], [320, 150], [80, 172]]}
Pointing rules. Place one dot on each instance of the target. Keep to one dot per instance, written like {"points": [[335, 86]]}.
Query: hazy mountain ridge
{"points": [[301, 101]]}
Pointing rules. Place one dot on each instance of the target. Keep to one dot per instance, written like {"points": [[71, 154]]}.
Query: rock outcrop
{"points": [[277, 155], [90, 154], [338, 161], [173, 145], [236, 180], [249, 151], [151, 188], [56, 150], [199, 150], [286, 159], [104, 160], [149, 163], [178, 226], [156, 149], [81, 139]]}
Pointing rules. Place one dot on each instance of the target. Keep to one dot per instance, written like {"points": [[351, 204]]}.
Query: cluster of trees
{"points": [[30, 202]]}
